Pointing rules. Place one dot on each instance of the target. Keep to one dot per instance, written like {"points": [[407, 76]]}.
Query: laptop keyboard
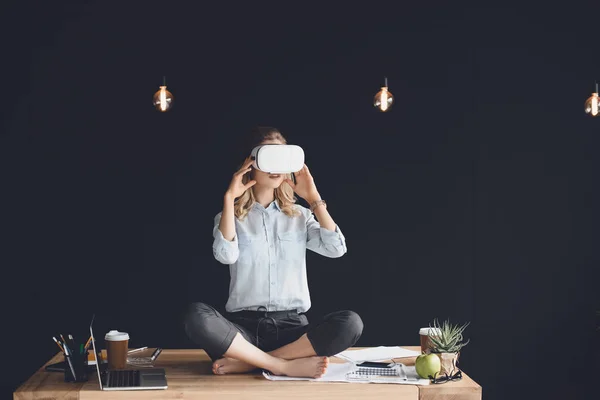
{"points": [[123, 378]]}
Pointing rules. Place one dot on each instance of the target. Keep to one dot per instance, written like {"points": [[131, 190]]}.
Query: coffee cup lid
{"points": [[116, 336], [429, 331]]}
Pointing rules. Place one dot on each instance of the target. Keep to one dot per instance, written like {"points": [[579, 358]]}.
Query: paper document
{"points": [[335, 373], [380, 353], [347, 372]]}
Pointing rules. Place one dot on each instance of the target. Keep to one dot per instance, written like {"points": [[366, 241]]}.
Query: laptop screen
{"points": [[95, 353]]}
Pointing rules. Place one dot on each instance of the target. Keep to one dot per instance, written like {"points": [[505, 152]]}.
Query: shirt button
{"points": [[272, 283]]}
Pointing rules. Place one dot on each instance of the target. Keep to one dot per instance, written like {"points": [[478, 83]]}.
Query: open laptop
{"points": [[129, 379]]}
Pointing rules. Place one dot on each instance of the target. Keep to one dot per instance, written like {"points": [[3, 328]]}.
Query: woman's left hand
{"points": [[305, 185]]}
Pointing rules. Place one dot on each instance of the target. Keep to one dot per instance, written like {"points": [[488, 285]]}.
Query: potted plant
{"points": [[447, 344]]}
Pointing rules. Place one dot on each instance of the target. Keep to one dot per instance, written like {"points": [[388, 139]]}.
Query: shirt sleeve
{"points": [[225, 251], [323, 241]]}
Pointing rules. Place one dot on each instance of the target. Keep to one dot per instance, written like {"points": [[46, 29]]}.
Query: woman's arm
{"points": [[324, 236], [306, 188], [227, 223], [225, 246], [328, 243], [235, 190], [325, 219], [225, 251]]}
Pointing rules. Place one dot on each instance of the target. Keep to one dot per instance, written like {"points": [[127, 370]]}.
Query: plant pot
{"points": [[449, 362]]}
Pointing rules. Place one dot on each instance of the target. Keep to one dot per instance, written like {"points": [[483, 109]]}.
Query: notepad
{"points": [[399, 373], [370, 371], [381, 353]]}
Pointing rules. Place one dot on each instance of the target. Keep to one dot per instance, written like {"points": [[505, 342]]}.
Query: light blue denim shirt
{"points": [[267, 257]]}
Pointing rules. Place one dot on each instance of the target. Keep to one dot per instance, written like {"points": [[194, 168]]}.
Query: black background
{"points": [[473, 199]]}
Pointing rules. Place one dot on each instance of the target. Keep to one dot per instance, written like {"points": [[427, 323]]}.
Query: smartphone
{"points": [[371, 364]]}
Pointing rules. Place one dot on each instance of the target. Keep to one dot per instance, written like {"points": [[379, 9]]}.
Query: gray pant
{"points": [[213, 332]]}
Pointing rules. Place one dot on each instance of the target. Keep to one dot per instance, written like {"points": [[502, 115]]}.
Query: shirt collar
{"points": [[274, 205]]}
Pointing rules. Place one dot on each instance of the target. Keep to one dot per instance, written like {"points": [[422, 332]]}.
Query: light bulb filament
{"points": [[163, 98], [384, 100]]}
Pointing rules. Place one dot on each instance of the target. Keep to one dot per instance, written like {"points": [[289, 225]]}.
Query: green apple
{"points": [[428, 364]]}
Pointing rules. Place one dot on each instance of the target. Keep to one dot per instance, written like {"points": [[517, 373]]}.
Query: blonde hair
{"points": [[284, 194]]}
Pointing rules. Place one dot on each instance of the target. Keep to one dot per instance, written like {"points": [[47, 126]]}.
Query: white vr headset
{"points": [[278, 158]]}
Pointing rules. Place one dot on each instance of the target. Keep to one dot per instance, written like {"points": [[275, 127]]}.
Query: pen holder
{"points": [[77, 363]]}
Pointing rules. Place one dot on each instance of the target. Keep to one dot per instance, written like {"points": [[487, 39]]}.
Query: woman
{"points": [[263, 236]]}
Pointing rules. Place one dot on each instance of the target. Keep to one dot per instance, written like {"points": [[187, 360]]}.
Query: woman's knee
{"points": [[339, 330], [197, 317], [352, 323]]}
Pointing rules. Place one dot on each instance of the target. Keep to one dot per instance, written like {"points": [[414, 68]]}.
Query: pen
{"points": [[68, 356], [58, 344], [72, 342], [136, 350], [156, 353]]}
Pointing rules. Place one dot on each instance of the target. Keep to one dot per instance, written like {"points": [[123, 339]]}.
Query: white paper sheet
{"points": [[343, 373], [380, 353], [335, 373]]}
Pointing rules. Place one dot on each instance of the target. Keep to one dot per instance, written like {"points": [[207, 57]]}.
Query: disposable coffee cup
{"points": [[424, 334], [117, 345]]}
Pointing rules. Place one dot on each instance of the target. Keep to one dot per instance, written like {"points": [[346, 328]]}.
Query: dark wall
{"points": [[473, 199]]}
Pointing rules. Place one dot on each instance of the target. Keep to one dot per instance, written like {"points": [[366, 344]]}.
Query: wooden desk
{"points": [[189, 376]]}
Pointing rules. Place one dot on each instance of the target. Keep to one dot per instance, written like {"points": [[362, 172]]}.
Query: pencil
{"points": [[58, 343], [87, 344], [136, 350]]}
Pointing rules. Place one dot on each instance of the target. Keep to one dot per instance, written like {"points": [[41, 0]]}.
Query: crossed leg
{"points": [[229, 345], [294, 359], [301, 348]]}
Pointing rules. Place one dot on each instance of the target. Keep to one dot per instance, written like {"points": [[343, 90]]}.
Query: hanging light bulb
{"points": [[384, 99], [591, 104], [163, 99]]}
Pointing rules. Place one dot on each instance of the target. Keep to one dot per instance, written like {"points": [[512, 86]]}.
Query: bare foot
{"points": [[309, 367], [231, 366]]}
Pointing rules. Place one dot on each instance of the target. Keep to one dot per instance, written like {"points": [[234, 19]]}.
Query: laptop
{"points": [[129, 379]]}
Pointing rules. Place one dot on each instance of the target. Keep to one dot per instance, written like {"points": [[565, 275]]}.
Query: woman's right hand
{"points": [[237, 187]]}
